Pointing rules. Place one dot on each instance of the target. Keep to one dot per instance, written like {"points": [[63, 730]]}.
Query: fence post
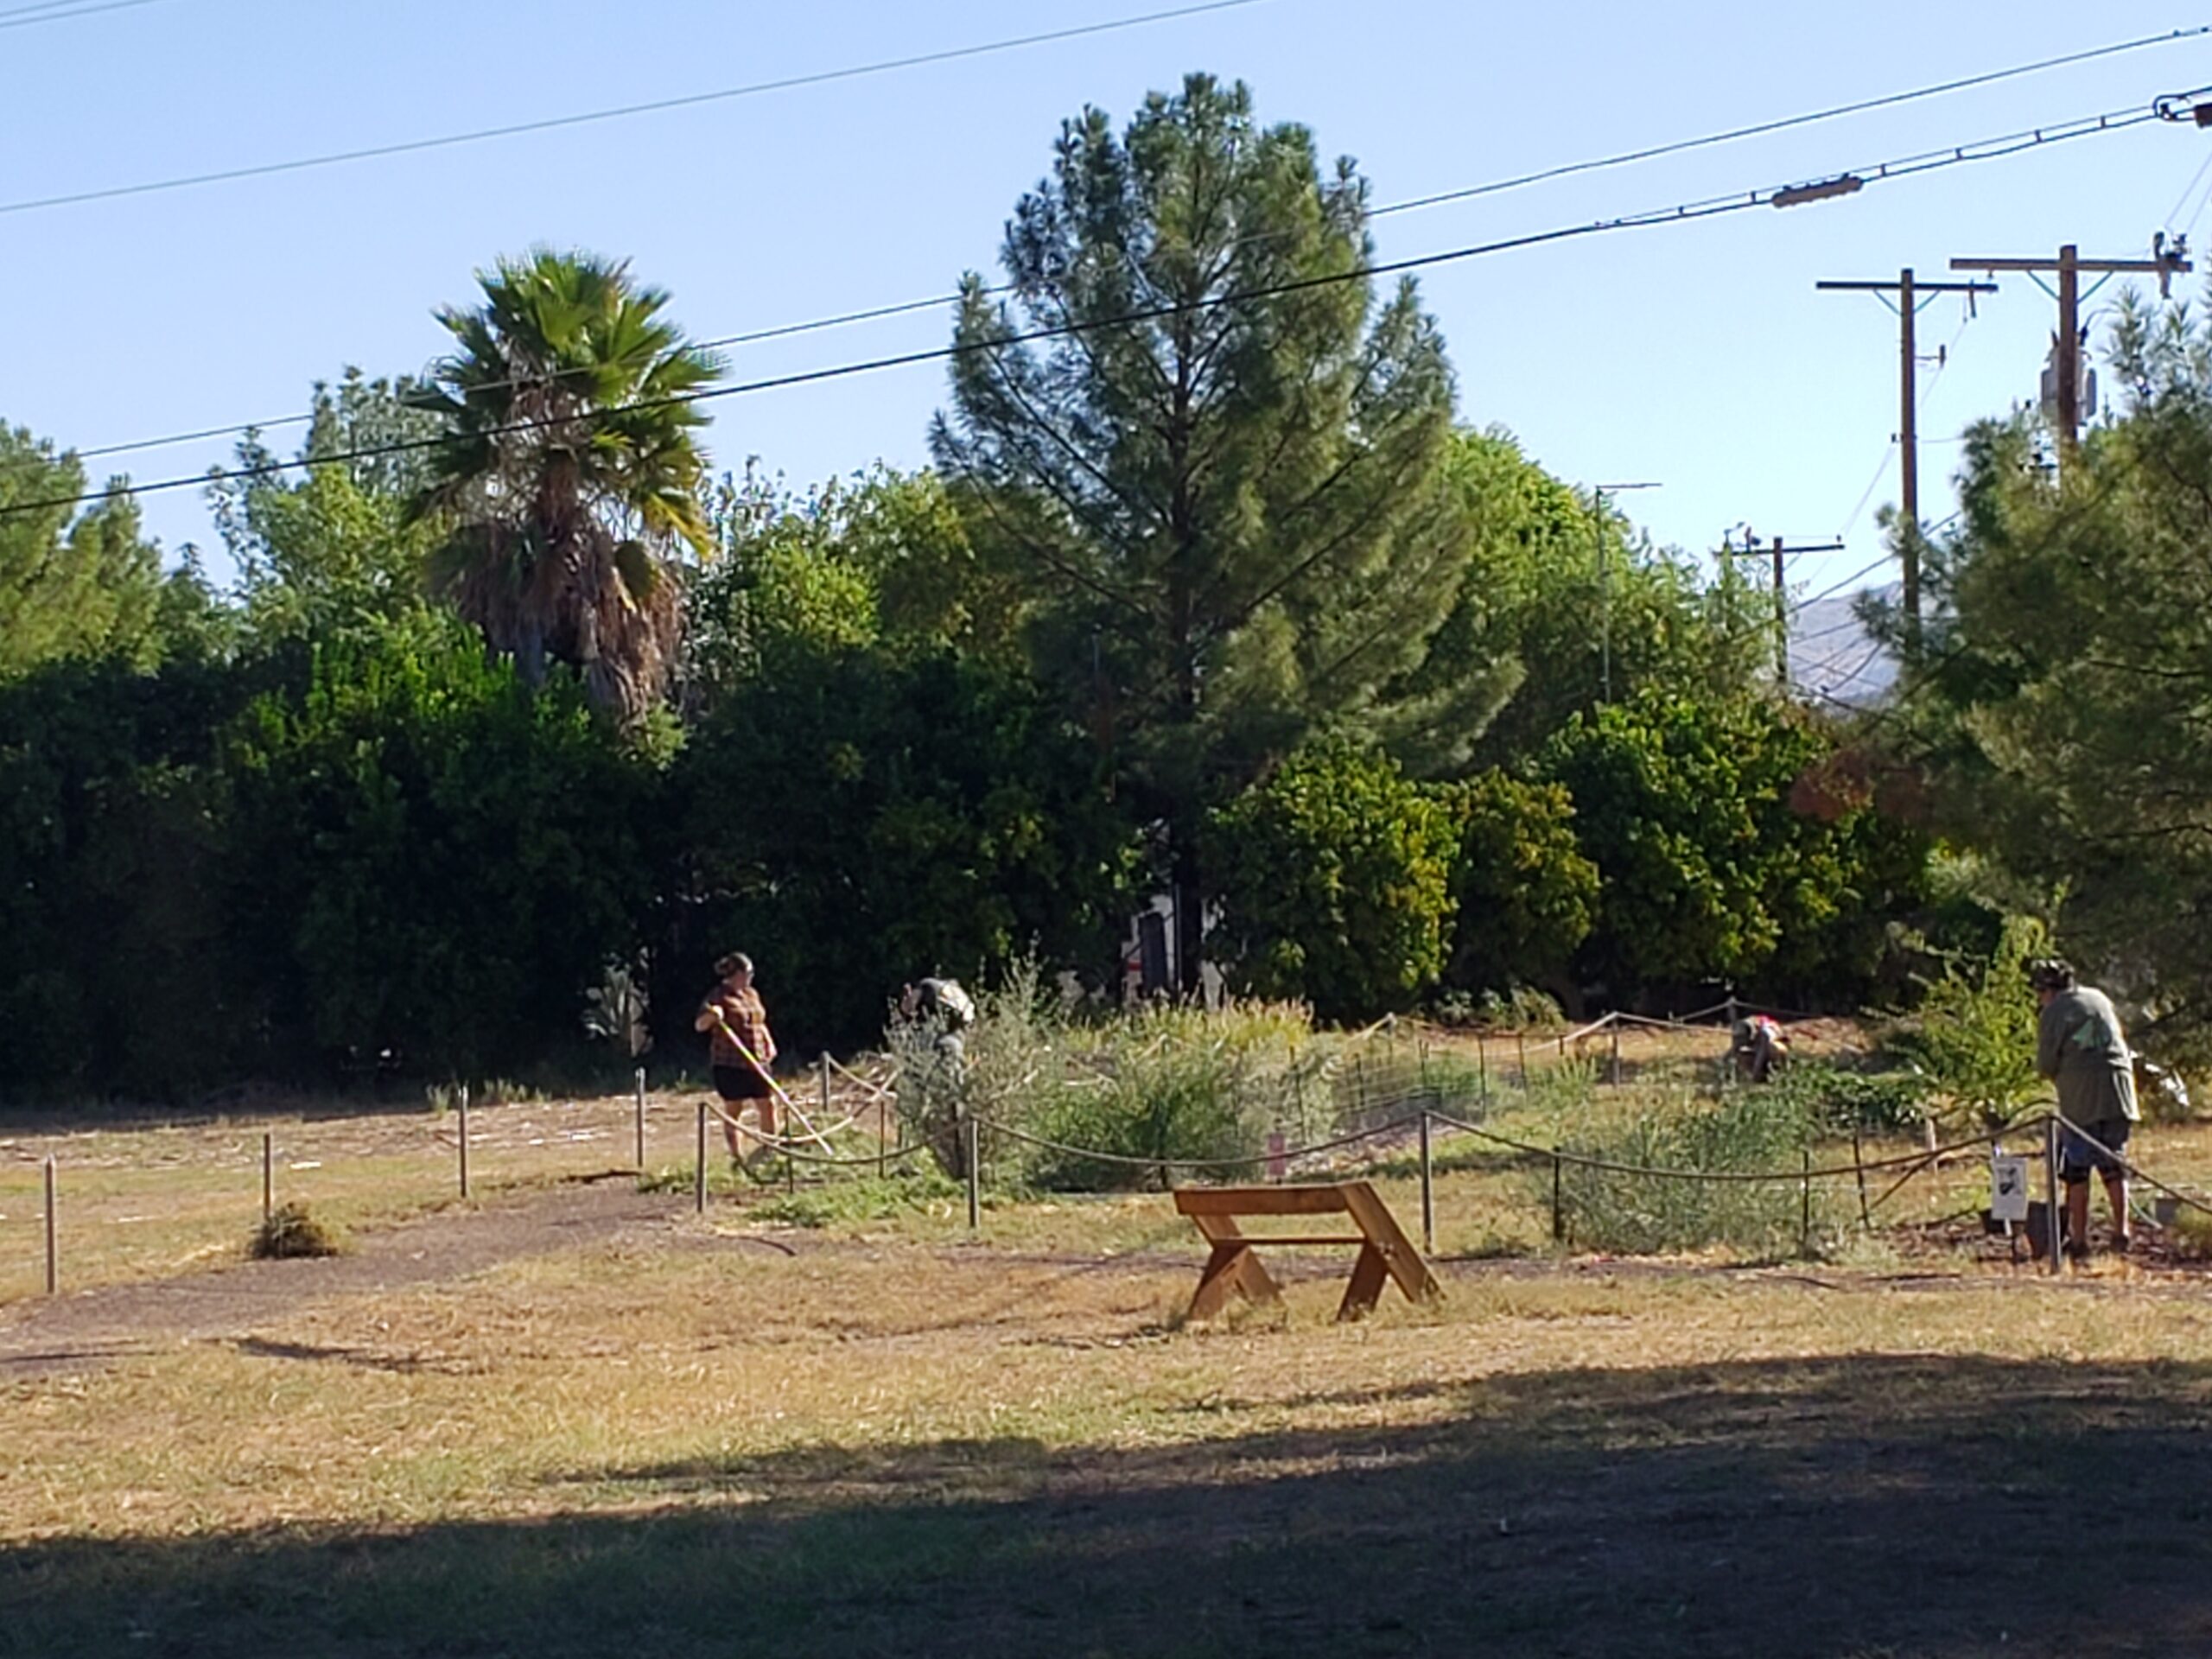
{"points": [[641, 1119], [53, 1235], [1428, 1193], [974, 1161], [1520, 1041], [1858, 1168], [464, 1140], [2054, 1216], [1558, 1212], [268, 1178], [1805, 1206], [1482, 1065], [1616, 1057], [699, 1170]]}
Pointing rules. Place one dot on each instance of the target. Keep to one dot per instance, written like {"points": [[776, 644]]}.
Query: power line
{"points": [[904, 307], [551, 123], [23, 17], [1928, 161], [1760, 129]]}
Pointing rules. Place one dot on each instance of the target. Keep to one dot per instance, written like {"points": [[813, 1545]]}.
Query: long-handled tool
{"points": [[768, 1077]]}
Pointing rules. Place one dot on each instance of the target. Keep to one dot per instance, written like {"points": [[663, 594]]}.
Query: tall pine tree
{"points": [[1219, 480]]}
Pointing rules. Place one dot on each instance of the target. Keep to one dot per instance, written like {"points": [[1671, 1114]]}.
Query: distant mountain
{"points": [[1831, 655]]}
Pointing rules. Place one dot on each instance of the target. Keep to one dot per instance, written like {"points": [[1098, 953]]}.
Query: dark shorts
{"points": [[740, 1083], [2078, 1159]]}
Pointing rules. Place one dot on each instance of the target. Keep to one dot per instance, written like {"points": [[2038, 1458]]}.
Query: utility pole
{"points": [[1781, 554], [2165, 263], [1908, 306], [1605, 583]]}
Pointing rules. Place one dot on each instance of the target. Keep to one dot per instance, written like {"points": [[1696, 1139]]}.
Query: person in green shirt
{"points": [[2081, 1048]]}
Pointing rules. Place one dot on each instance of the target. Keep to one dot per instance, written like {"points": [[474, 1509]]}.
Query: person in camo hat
{"points": [[2081, 1048]]}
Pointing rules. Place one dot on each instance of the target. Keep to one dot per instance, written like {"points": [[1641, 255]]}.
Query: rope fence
{"points": [[1412, 1107]]}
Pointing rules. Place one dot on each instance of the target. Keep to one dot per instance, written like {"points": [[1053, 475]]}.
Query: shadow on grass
{"points": [[1892, 1506]]}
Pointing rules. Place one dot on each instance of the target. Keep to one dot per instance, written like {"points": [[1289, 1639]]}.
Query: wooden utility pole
{"points": [[1781, 554], [2165, 263], [1908, 306]]}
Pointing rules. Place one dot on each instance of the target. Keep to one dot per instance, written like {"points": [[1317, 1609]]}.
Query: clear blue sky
{"points": [[1698, 355]]}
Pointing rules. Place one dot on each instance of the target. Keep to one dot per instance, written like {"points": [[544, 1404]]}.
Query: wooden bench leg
{"points": [[1231, 1267], [1369, 1275]]}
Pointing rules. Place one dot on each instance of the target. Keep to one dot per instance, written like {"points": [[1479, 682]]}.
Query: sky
{"points": [[1698, 356]]}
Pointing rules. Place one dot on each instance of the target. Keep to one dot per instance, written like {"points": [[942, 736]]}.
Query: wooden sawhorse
{"points": [[1385, 1250]]}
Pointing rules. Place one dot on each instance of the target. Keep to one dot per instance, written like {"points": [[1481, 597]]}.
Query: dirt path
{"points": [[113, 1321], [92, 1327]]}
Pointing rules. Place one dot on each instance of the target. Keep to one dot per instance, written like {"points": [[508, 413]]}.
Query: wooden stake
{"points": [[2054, 1212], [699, 1170], [641, 1119], [1428, 1193], [268, 1178], [53, 1234], [464, 1140], [1858, 1168], [1482, 1064], [1805, 1206], [1520, 1042], [975, 1175], [1559, 1211]]}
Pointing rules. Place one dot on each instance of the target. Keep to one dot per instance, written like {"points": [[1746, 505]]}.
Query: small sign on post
{"points": [[2008, 1186]]}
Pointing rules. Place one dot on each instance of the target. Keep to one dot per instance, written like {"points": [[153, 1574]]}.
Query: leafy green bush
{"points": [[1749, 1131], [1335, 883], [1975, 1034], [1524, 893]]}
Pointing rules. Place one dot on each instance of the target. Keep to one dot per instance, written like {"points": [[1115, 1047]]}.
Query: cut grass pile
{"points": [[293, 1232]]}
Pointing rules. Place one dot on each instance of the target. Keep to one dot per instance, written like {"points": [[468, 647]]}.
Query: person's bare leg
{"points": [[2116, 1190], [729, 1131], [2077, 1217]]}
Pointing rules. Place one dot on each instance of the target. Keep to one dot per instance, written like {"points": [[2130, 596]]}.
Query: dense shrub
{"points": [[1335, 881]]}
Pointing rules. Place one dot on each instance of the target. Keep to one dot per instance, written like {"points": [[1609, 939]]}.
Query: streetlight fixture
{"points": [[1598, 494]]}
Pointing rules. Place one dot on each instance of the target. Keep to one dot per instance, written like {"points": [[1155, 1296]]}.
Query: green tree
{"points": [[72, 583], [2057, 714], [336, 546], [431, 863], [1336, 883], [1220, 487], [119, 969], [1728, 848], [859, 818], [1541, 553], [1525, 895], [572, 468]]}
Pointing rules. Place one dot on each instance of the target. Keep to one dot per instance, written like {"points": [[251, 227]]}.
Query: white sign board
{"points": [[2008, 1186]]}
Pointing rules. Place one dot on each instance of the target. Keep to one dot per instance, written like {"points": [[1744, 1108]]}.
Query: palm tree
{"points": [[569, 471]]}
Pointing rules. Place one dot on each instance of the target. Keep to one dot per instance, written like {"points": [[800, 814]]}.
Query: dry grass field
{"points": [[570, 1418]]}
